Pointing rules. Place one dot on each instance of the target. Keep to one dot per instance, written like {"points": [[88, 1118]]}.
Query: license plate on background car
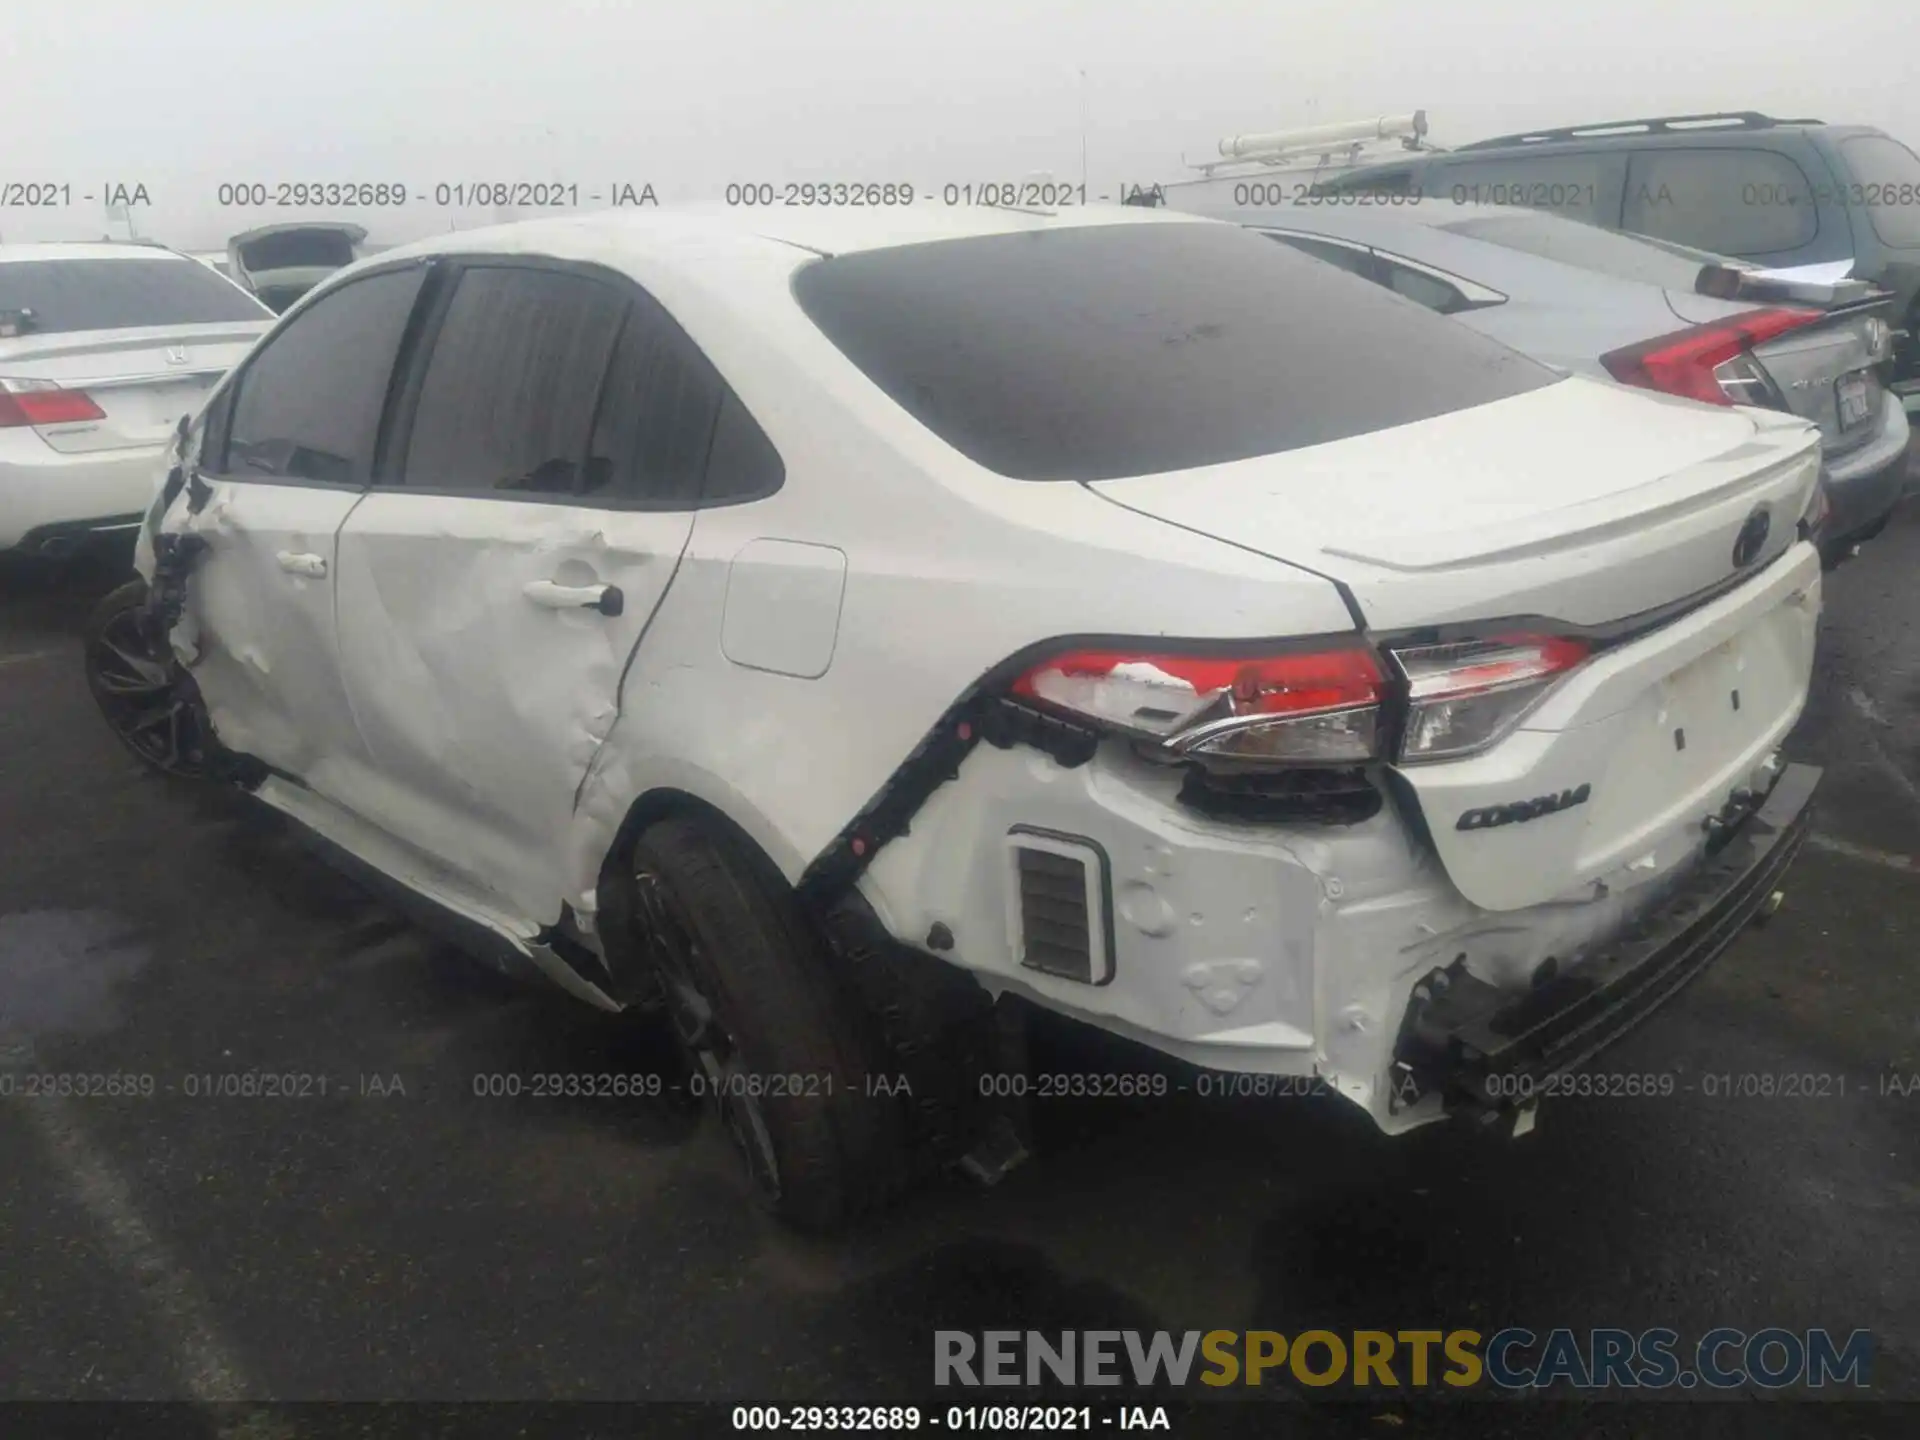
{"points": [[1851, 394]]}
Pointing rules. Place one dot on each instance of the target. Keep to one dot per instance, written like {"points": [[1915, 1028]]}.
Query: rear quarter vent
{"points": [[1059, 912]]}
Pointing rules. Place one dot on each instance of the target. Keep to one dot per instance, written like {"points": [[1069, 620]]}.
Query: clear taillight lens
{"points": [[1306, 707], [1745, 381], [1465, 696]]}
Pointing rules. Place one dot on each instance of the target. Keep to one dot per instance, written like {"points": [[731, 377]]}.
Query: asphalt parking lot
{"points": [[400, 1237]]}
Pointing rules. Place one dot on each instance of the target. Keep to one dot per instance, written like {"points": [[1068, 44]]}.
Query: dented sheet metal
{"points": [[483, 684]]}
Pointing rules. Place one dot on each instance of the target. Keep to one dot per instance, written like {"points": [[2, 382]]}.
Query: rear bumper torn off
{"points": [[1485, 1051]]}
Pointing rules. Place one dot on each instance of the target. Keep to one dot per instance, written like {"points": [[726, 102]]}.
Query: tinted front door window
{"points": [[309, 403]]}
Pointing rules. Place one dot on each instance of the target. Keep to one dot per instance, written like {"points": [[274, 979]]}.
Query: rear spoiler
{"points": [[1729, 282]]}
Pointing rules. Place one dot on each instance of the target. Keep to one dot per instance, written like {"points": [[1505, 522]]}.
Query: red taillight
{"points": [[41, 402], [1303, 706], [1684, 363]]}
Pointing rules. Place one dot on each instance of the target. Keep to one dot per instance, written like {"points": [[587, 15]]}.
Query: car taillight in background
{"points": [[1712, 362], [1307, 707], [44, 402]]}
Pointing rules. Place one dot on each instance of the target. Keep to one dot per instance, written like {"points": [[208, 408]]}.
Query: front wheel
{"points": [[147, 699]]}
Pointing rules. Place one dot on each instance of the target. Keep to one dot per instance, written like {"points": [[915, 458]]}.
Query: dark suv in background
{"points": [[1779, 193]]}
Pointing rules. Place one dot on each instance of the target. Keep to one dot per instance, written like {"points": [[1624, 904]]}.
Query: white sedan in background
{"points": [[103, 348]]}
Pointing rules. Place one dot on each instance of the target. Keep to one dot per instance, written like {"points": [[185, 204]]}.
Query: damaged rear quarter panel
{"points": [[950, 570]]}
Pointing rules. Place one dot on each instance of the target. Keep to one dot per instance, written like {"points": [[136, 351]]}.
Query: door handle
{"points": [[607, 599], [313, 566]]}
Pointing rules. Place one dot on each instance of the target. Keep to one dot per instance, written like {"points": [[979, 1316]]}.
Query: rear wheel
{"points": [[148, 700], [770, 1041]]}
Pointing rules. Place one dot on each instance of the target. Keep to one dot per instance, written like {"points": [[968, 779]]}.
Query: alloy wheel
{"points": [[144, 695], [718, 1073]]}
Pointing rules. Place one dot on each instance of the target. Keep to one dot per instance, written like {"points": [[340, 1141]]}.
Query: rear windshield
{"points": [[68, 295], [296, 250], [1108, 351], [1588, 247]]}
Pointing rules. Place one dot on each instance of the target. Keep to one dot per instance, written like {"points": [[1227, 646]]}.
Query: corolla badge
{"points": [[1520, 811], [1752, 538]]}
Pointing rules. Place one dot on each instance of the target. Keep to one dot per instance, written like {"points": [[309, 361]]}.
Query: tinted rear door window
{"points": [[1106, 351], [1886, 181], [309, 402], [1732, 200], [507, 401], [70, 295], [743, 464], [655, 422], [670, 433]]}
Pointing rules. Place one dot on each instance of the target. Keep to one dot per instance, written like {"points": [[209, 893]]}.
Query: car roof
{"points": [[824, 230], [85, 250]]}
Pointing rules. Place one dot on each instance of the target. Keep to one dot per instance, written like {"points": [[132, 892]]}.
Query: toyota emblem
{"points": [[1752, 538], [176, 354]]}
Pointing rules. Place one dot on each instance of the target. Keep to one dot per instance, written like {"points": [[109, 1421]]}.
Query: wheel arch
{"points": [[775, 863], [757, 841]]}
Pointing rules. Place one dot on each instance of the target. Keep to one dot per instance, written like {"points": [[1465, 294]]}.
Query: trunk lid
{"points": [[1582, 506], [143, 379], [293, 256], [1613, 781], [1584, 501]]}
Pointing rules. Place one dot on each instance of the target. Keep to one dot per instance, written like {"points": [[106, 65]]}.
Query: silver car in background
{"points": [[1645, 312]]}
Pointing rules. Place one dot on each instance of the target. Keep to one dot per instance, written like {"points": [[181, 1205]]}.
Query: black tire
{"points": [[146, 698], [753, 1005]]}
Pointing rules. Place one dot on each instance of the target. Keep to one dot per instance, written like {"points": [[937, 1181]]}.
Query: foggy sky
{"points": [[180, 95]]}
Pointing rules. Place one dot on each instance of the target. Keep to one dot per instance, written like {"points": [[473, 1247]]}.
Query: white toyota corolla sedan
{"points": [[843, 630]]}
